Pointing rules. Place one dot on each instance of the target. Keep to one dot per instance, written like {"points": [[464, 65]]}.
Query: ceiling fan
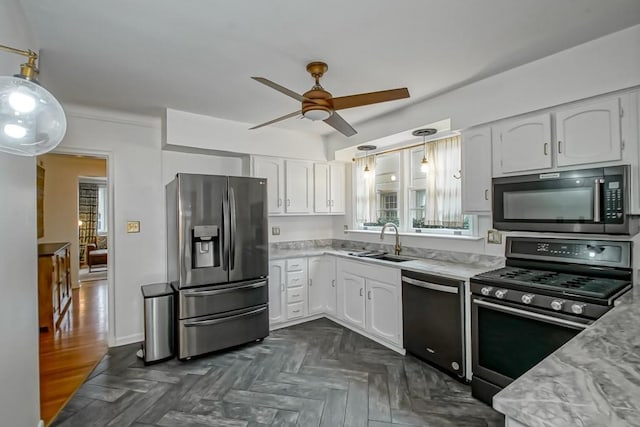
{"points": [[318, 104]]}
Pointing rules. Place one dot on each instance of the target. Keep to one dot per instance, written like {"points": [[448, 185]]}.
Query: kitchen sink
{"points": [[383, 256]]}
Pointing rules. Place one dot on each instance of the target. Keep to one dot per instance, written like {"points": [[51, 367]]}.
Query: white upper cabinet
{"points": [[272, 169], [337, 186], [298, 186], [476, 170], [589, 133], [329, 187], [522, 145]]}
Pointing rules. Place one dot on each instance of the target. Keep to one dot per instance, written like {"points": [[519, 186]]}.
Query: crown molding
{"points": [[111, 116]]}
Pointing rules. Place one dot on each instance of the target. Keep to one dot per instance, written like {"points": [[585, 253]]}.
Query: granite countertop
{"points": [[48, 249], [454, 270], [592, 381]]}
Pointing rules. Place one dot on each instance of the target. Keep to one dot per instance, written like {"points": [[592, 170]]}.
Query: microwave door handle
{"points": [[597, 208]]}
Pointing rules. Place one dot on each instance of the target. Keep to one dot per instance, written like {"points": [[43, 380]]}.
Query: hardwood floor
{"points": [[68, 355], [314, 374]]}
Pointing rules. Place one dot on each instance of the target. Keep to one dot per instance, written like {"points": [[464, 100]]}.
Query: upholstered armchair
{"points": [[97, 253]]}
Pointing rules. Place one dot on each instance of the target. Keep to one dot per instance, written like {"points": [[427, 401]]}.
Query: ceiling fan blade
{"points": [[342, 102], [338, 123], [279, 88], [287, 116]]}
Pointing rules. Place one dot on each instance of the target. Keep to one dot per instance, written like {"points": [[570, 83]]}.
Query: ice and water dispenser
{"points": [[205, 242]]}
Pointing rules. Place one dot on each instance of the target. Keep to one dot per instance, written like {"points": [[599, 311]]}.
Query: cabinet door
{"points": [[271, 169], [352, 304], [337, 187], [322, 274], [383, 308], [321, 200], [277, 291], [476, 170], [299, 186], [522, 145], [589, 133]]}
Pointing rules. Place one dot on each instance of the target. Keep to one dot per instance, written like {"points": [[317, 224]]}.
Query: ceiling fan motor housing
{"points": [[319, 101]]}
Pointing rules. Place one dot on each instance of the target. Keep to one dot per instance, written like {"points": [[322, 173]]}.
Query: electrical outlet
{"points": [[494, 236], [275, 231]]}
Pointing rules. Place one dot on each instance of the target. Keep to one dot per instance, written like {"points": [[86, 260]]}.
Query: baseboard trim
{"points": [[129, 339], [297, 321]]}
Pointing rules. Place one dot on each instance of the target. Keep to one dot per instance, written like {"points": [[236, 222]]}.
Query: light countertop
{"points": [[592, 381]]}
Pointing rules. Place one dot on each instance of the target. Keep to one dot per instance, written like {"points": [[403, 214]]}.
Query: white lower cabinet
{"points": [[322, 284], [277, 292], [369, 299]]}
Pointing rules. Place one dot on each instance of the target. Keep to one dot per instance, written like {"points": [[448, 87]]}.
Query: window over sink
{"points": [[399, 189]]}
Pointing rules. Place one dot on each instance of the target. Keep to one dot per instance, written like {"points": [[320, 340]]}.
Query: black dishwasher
{"points": [[433, 320]]}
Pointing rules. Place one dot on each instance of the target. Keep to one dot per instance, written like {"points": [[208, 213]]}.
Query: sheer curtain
{"points": [[365, 190], [443, 207]]}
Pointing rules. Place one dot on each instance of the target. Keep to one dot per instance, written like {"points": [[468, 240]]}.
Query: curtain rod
{"points": [[408, 147]]}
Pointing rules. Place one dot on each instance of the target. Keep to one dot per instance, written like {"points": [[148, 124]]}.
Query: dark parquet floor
{"points": [[313, 374]]}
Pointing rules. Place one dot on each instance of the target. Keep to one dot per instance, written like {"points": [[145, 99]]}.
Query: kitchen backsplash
{"points": [[441, 255]]}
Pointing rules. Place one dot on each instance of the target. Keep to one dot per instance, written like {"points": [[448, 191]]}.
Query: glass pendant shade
{"points": [[32, 121]]}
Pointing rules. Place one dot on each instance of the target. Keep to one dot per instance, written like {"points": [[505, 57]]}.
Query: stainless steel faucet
{"points": [[398, 248]]}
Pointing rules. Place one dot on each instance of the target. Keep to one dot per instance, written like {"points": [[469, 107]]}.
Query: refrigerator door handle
{"points": [[225, 245], [233, 220]]}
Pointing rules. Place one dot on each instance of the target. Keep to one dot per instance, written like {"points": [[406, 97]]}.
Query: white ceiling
{"points": [[197, 55]]}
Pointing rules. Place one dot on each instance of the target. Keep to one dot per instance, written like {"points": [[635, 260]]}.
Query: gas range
{"points": [[577, 277]]}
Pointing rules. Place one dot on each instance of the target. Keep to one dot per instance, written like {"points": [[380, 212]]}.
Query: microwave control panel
{"points": [[613, 200]]}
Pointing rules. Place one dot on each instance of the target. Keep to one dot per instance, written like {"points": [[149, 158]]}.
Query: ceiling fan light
{"points": [[316, 115]]}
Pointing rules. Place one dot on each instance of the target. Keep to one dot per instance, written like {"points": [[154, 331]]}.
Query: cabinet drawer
{"points": [[296, 264], [296, 278], [295, 310], [295, 294]]}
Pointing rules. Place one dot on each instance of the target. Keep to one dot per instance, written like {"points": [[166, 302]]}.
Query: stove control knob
{"points": [[527, 298], [578, 308], [500, 293], [557, 304], [486, 291]]}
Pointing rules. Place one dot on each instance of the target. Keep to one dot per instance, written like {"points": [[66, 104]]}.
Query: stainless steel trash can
{"points": [[158, 341]]}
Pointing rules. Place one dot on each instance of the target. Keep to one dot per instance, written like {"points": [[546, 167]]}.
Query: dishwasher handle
{"points": [[431, 286]]}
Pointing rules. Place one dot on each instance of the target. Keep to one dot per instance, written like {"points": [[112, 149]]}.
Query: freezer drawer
{"points": [[211, 333], [208, 300], [433, 320]]}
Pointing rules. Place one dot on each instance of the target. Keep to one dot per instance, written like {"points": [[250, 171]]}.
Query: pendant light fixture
{"points": [[366, 149], [424, 164], [32, 121]]}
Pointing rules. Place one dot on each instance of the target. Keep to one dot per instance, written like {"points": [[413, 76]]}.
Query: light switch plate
{"points": [[133, 226], [494, 236], [275, 231]]}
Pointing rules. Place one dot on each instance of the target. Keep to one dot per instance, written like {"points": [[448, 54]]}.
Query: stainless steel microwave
{"points": [[576, 201]]}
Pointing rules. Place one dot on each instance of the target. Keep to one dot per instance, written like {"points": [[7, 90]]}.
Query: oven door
{"points": [[508, 341]]}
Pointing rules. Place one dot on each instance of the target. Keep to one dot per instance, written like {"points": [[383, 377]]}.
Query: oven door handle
{"points": [[530, 314]]}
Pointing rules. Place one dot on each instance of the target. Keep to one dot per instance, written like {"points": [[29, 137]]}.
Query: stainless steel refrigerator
{"points": [[217, 260]]}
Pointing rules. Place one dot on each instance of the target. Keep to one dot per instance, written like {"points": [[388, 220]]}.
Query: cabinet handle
{"points": [[559, 147], [360, 291], [332, 203], [295, 295], [486, 194], [369, 295], [279, 202], [328, 203], [546, 148], [333, 283], [296, 311], [288, 202], [282, 287], [310, 282]]}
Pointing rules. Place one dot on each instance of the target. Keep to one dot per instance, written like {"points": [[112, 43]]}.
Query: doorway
{"points": [[78, 337]]}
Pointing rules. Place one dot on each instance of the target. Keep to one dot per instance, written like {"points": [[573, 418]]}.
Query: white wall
{"points": [[61, 200], [19, 384], [301, 228], [174, 162], [132, 145], [183, 129]]}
